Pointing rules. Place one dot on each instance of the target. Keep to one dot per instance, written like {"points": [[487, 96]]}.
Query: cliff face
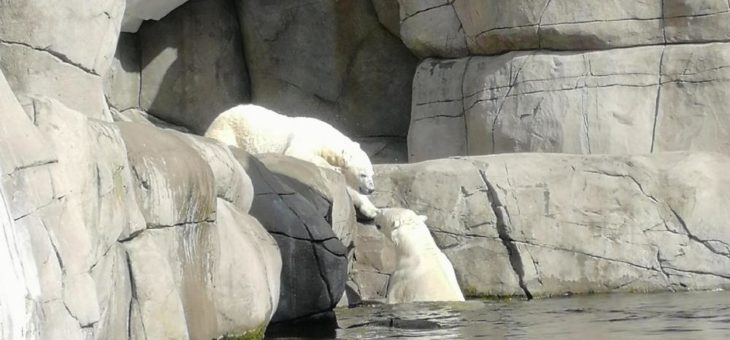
{"points": [[595, 77]]}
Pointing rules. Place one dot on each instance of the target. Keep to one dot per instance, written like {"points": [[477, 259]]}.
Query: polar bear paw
{"points": [[367, 209]]}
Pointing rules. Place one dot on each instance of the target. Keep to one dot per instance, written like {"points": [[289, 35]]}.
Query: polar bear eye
{"points": [[363, 175], [378, 226]]}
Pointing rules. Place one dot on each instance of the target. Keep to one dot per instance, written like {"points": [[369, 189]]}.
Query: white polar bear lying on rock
{"points": [[422, 271], [259, 130]]}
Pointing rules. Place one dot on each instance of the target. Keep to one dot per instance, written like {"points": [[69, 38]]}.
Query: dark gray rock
{"points": [[314, 261], [193, 66]]}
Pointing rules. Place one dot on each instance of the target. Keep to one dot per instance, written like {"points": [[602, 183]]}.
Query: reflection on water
{"points": [[701, 315]]}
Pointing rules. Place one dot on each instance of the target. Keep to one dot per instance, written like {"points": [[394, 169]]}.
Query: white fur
{"points": [[259, 130], [422, 272]]}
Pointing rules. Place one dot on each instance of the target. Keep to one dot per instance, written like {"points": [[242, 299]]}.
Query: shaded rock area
{"points": [[549, 224], [192, 64], [314, 269], [332, 60], [622, 101]]}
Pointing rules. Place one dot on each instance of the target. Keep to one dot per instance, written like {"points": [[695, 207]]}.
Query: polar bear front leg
{"points": [[362, 203]]}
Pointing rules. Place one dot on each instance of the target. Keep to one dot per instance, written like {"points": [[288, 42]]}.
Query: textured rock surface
{"points": [[541, 224], [314, 268], [60, 50], [193, 66], [475, 27], [331, 60], [634, 100], [122, 82], [323, 188], [83, 210]]}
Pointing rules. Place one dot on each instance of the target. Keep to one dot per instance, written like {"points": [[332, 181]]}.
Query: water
{"points": [[699, 315]]}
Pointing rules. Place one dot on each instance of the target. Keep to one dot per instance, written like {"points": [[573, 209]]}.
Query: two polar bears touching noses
{"points": [[423, 273]]}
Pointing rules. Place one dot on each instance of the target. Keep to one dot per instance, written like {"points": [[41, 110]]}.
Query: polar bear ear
{"points": [[422, 218]]}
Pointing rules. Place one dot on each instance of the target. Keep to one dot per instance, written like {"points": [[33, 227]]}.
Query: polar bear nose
{"points": [[366, 191]]}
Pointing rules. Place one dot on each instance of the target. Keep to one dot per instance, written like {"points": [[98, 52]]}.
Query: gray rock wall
{"points": [[617, 77], [543, 225]]}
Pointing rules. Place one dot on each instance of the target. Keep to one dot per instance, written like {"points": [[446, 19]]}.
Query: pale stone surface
{"points": [[330, 60], [38, 74], [173, 183], [193, 65], [78, 32], [572, 223], [232, 183], [634, 100], [459, 28], [122, 82]]}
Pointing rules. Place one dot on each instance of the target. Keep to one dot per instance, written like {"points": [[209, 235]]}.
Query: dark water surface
{"points": [[699, 315]]}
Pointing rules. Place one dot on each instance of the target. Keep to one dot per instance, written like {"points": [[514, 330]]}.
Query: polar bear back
{"points": [[260, 130]]}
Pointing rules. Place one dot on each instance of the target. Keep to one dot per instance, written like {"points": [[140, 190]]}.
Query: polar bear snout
{"points": [[366, 191]]}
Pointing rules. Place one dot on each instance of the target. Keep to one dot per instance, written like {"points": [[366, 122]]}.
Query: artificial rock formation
{"points": [[331, 60], [634, 100], [314, 268], [548, 224], [624, 77], [192, 64]]}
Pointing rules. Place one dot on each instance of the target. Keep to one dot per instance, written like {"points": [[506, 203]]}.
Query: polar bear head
{"points": [[358, 170], [390, 221]]}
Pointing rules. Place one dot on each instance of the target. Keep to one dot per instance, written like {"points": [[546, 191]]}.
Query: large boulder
{"points": [[549, 224], [193, 66], [633, 100], [331, 60], [314, 268], [443, 28], [60, 50], [183, 270]]}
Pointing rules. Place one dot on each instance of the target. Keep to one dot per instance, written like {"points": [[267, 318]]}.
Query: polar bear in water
{"points": [[259, 130], [422, 271]]}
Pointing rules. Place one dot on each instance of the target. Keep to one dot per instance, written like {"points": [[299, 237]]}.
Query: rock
{"points": [[30, 72], [141, 10], [74, 32], [323, 188], [246, 296], [193, 66], [374, 261], [328, 60], [549, 224], [60, 50], [122, 82], [173, 183], [491, 27], [634, 100], [189, 281], [389, 15], [385, 149], [231, 181], [314, 268]]}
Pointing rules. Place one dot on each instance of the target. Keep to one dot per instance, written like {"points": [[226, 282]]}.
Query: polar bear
{"points": [[260, 130], [422, 271]]}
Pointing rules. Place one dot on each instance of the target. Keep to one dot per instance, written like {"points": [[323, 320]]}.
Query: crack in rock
{"points": [[503, 228], [56, 55]]}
